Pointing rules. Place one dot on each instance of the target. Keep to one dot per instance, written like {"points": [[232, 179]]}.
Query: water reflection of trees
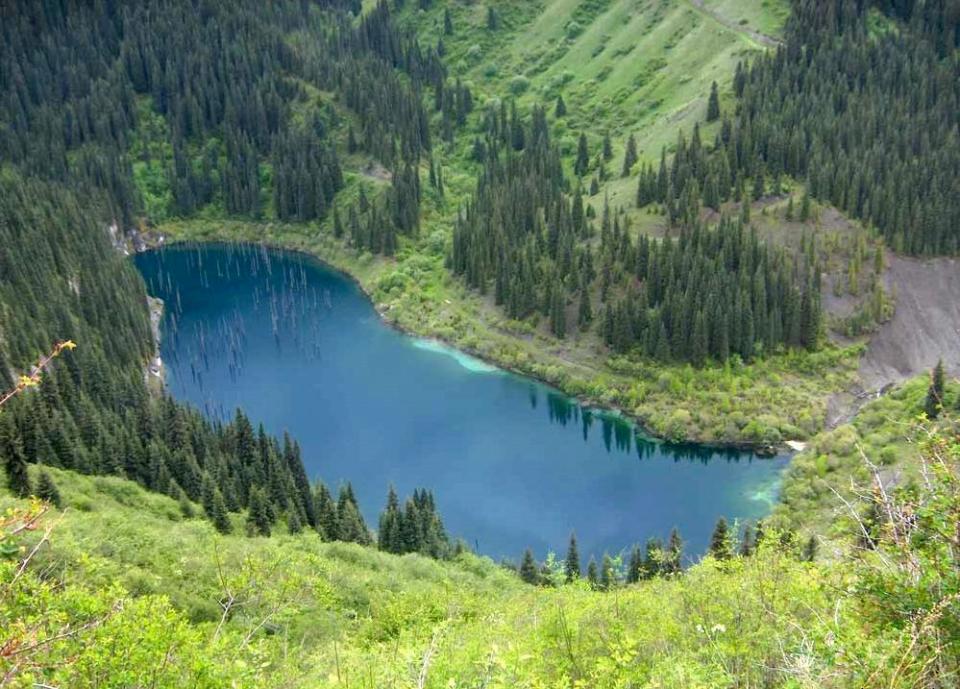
{"points": [[280, 289], [282, 285], [622, 436]]}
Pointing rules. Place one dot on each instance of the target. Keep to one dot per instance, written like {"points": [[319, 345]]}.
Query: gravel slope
{"points": [[925, 326]]}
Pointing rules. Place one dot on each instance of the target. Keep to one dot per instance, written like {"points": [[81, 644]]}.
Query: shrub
{"points": [[519, 84]]}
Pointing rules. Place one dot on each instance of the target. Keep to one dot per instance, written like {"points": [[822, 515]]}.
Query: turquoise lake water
{"points": [[513, 463]]}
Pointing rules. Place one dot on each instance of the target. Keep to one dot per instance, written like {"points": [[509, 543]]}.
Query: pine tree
{"points": [[258, 518], [572, 564], [561, 108], [745, 209], [629, 156], [528, 568], [493, 22], [327, 524], [805, 205], [389, 528], [11, 447], [635, 567], [746, 543], [933, 404], [720, 540], [219, 516], [558, 311], [593, 576], [582, 164], [653, 560], [585, 311], [294, 525], [674, 552], [713, 104], [47, 489]]}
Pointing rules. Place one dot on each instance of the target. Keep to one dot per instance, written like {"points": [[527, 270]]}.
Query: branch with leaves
{"points": [[32, 379]]}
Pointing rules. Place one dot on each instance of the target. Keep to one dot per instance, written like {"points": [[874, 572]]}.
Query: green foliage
{"points": [[133, 592]]}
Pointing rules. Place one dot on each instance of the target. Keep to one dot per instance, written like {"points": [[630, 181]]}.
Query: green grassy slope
{"points": [[622, 66], [126, 570]]}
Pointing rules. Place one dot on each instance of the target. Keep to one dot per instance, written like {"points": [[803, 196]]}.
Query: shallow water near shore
{"points": [[512, 462]]}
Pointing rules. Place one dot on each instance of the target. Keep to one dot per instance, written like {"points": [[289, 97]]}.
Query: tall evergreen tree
{"points": [[674, 552], [11, 447], [713, 104], [572, 562], [635, 566], [47, 489], [593, 574], [528, 568], [629, 156], [219, 516], [258, 519], [720, 540], [933, 404], [582, 163]]}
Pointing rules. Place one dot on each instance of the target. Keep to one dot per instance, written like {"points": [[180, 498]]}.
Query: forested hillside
{"points": [[103, 99]]}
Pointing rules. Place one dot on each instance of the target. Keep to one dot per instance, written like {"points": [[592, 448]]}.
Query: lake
{"points": [[512, 462]]}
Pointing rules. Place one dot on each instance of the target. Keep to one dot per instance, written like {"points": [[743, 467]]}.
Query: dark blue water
{"points": [[512, 462]]}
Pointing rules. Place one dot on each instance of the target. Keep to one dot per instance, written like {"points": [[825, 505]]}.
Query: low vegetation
{"points": [[123, 587]]}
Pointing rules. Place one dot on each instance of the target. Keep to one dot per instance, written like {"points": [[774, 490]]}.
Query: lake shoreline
{"points": [[759, 449]]}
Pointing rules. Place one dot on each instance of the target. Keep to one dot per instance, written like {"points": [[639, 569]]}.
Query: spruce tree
{"points": [[585, 311], [327, 524], [493, 21], [11, 447], [582, 163], [294, 525], [47, 489], [720, 540], [560, 110], [674, 552], [219, 515], [447, 22], [933, 404], [629, 156], [572, 563], [607, 147], [713, 104], [635, 567], [528, 568], [746, 542], [258, 517], [653, 560], [389, 528], [593, 575], [810, 549]]}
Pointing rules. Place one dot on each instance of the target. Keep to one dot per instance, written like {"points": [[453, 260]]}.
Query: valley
{"points": [[478, 343]]}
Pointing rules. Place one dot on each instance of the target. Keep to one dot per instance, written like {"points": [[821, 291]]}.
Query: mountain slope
{"points": [[182, 606]]}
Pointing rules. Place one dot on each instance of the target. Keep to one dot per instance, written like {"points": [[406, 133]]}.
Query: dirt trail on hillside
{"points": [[761, 38], [925, 326]]}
